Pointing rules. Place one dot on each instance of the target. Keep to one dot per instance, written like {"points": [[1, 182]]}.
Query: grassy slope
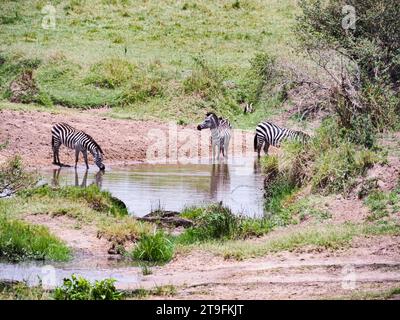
{"points": [[161, 37]]}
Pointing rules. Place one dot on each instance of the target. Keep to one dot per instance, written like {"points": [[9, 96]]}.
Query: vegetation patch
{"points": [[382, 204], [101, 201], [21, 241], [110, 73], [158, 291], [22, 291], [78, 288], [216, 222], [155, 247], [14, 177], [323, 236]]}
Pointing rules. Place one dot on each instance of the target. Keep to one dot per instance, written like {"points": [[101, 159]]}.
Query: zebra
{"points": [[268, 134], [220, 133], [80, 141]]}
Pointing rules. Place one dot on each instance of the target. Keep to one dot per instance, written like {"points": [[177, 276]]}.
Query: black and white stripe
{"points": [[220, 133], [268, 134], [64, 134]]}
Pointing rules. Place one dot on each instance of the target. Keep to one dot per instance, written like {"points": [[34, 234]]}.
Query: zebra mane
{"points": [[96, 144], [217, 120]]}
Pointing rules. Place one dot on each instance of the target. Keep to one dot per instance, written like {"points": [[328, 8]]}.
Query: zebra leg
{"points": [[85, 157], [84, 180], [259, 146], [56, 149], [213, 150], [266, 147], [76, 157], [76, 178], [226, 146]]}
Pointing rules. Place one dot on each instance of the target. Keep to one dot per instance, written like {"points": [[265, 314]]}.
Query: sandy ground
{"points": [[372, 264], [28, 134]]}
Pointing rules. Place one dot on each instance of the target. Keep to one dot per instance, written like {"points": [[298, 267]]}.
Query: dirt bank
{"points": [[372, 264], [28, 134]]}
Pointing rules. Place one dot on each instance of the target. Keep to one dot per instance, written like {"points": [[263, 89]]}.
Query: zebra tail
{"points": [[255, 142]]}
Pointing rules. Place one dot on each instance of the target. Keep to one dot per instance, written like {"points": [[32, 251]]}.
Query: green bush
{"points": [[330, 161], [260, 73], [204, 80], [21, 241], [98, 200], [216, 222], [156, 247], [78, 288], [374, 43], [370, 52], [110, 73]]}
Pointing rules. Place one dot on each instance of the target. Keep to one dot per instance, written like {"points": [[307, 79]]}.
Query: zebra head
{"points": [[211, 121], [98, 158]]}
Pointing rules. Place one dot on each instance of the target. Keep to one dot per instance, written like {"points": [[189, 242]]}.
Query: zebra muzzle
{"points": [[199, 127]]}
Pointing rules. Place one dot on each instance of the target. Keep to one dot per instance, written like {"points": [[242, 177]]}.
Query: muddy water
{"points": [[146, 187]]}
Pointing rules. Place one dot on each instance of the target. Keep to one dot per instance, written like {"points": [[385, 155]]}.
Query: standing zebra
{"points": [[220, 133], [72, 138], [271, 134]]}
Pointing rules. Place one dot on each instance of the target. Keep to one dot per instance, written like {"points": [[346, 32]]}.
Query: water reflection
{"points": [[238, 183], [98, 178], [220, 179]]}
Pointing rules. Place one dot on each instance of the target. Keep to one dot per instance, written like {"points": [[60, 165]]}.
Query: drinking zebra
{"points": [[220, 133], [72, 138], [268, 134]]}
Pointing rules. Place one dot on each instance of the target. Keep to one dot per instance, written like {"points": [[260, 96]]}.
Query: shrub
{"points": [[374, 43], [204, 80], [110, 73], [330, 161], [216, 222], [78, 288], [21, 241], [156, 247], [364, 99], [14, 177], [260, 73], [141, 88]]}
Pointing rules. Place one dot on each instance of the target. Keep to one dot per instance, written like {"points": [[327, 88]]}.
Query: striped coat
{"points": [[64, 134], [268, 134], [220, 133]]}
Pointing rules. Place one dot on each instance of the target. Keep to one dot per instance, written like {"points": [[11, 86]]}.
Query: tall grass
{"points": [[21, 241], [155, 247]]}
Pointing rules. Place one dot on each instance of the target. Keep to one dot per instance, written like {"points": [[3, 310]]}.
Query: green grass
{"points": [[22, 291], [22, 241], [158, 291], [143, 60], [101, 201], [371, 295], [321, 236], [87, 206], [78, 288], [156, 247], [215, 222], [382, 204]]}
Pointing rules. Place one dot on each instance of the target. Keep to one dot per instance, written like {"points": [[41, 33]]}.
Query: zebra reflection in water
{"points": [[220, 179], [98, 178]]}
